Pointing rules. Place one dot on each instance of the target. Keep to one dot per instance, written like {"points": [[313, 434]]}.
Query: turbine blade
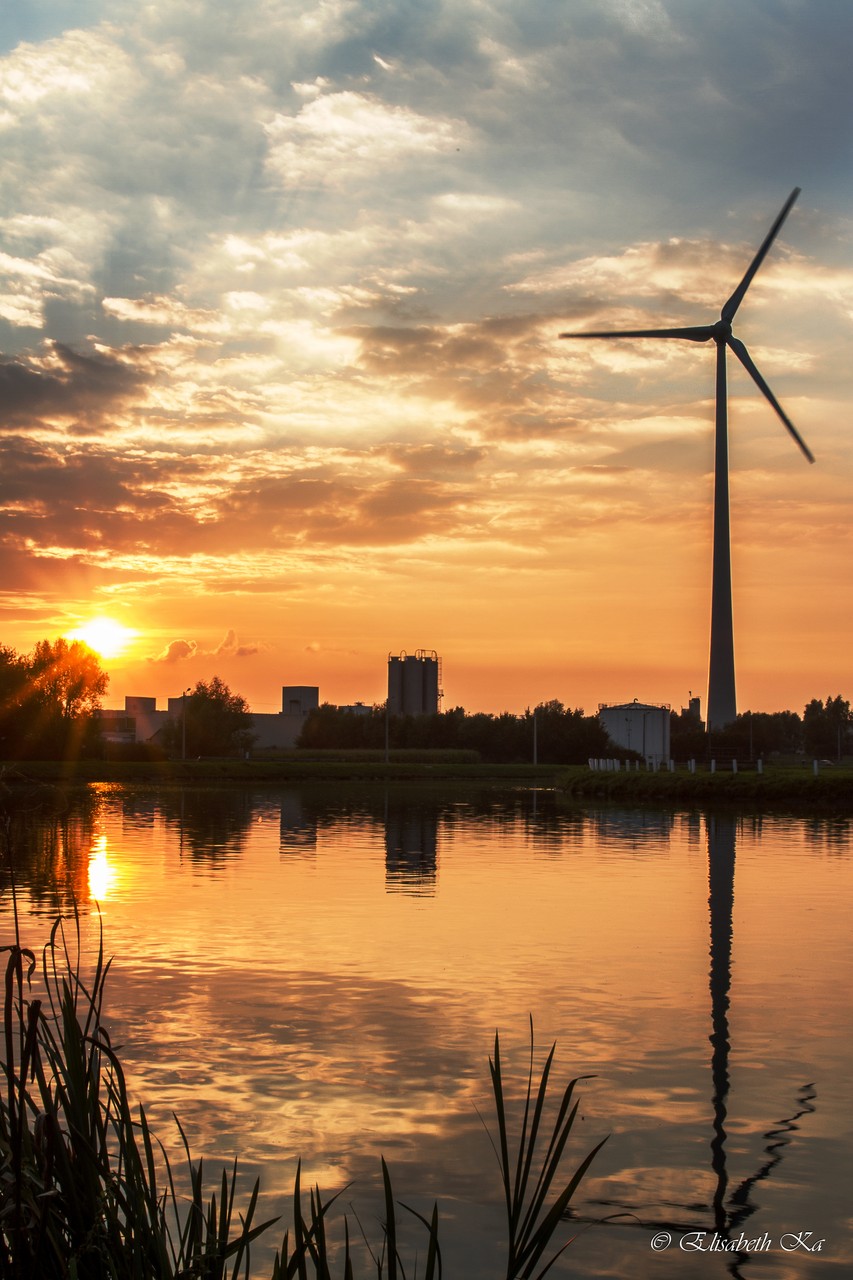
{"points": [[746, 360], [698, 333], [728, 311]]}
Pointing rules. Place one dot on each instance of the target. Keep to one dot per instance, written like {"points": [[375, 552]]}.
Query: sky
{"points": [[282, 392]]}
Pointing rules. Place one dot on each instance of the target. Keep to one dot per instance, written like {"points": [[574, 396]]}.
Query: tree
{"points": [[216, 722], [49, 700], [13, 694], [67, 677], [826, 726]]}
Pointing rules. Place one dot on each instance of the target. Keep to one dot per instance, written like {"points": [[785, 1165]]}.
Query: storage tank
{"points": [[413, 683]]}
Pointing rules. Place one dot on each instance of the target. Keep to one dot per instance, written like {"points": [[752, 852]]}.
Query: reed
{"points": [[527, 1180], [85, 1189], [88, 1193]]}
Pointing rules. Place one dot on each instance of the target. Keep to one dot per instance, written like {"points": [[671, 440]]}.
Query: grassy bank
{"points": [[332, 766], [779, 786], [776, 787]]}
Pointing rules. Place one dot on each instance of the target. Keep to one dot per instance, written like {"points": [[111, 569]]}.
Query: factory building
{"points": [[140, 721], [299, 699], [414, 683], [638, 726]]}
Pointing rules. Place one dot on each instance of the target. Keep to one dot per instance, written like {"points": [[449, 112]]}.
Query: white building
{"points": [[638, 726]]}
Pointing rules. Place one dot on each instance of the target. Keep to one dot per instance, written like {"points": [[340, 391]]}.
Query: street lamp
{"points": [[184, 723]]}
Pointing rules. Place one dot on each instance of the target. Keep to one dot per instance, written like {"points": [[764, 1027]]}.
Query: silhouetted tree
{"points": [[563, 736], [218, 722], [826, 726], [687, 737], [13, 696], [50, 700], [327, 728], [758, 734]]}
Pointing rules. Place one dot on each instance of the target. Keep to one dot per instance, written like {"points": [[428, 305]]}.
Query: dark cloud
{"points": [[86, 500], [66, 384], [492, 369], [347, 511], [434, 460]]}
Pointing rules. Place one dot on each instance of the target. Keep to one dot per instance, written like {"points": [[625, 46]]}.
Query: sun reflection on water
{"points": [[102, 874]]}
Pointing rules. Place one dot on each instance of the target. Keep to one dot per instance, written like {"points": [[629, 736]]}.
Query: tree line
{"points": [[566, 736], [562, 736], [50, 701], [825, 731]]}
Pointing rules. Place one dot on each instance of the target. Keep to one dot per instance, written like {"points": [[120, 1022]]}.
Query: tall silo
{"points": [[413, 683]]}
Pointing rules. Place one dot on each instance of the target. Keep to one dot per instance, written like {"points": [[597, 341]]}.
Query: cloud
{"points": [[63, 383], [181, 650], [281, 289], [174, 652], [343, 138], [231, 648]]}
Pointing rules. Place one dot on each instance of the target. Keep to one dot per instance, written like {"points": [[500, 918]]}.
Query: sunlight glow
{"points": [[102, 875], [105, 636]]}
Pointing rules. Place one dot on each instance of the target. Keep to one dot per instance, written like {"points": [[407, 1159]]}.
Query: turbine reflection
{"points": [[729, 1210]]}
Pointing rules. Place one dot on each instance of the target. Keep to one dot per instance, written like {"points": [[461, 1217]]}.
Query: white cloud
{"points": [[341, 137]]}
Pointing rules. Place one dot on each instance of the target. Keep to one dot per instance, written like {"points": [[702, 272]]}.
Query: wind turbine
{"points": [[722, 702]]}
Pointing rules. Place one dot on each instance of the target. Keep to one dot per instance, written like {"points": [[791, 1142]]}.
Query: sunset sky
{"points": [[280, 378]]}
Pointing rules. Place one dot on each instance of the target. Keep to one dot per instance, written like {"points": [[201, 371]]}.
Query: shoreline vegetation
{"points": [[87, 1191], [780, 785]]}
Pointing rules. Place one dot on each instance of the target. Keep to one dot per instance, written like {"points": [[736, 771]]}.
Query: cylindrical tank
{"points": [[413, 687], [413, 683]]}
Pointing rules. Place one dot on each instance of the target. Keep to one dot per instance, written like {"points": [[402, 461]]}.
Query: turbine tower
{"points": [[722, 702]]}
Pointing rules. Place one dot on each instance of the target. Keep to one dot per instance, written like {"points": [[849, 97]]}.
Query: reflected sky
{"points": [[303, 975]]}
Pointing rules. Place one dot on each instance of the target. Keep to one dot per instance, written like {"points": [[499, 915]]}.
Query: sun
{"points": [[106, 636]]}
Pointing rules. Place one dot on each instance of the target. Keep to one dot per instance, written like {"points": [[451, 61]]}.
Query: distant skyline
{"points": [[280, 290]]}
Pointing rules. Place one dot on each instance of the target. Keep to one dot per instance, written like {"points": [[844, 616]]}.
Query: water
{"points": [[319, 973]]}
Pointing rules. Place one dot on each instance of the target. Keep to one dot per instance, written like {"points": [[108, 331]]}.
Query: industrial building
{"points": [[140, 721], [414, 683], [643, 727], [299, 699]]}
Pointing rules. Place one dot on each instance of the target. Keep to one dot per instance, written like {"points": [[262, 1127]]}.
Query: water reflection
{"points": [[411, 849], [297, 826], [729, 1210], [214, 825], [48, 845], [321, 972]]}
